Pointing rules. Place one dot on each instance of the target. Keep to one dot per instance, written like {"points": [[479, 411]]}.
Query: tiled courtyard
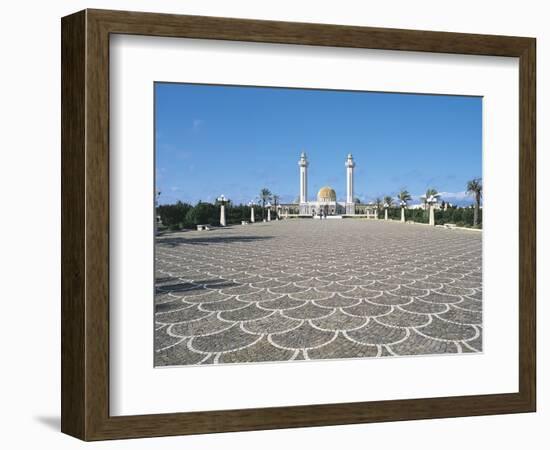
{"points": [[311, 289]]}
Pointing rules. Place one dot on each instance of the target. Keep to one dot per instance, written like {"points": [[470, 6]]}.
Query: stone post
{"points": [[251, 205], [402, 214], [385, 213], [222, 201], [222, 215], [432, 214], [303, 183], [269, 215], [350, 165]]}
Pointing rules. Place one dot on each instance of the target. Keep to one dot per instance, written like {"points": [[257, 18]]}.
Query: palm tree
{"points": [[388, 201], [265, 196], [378, 204], [430, 192], [474, 187], [403, 198], [275, 203], [429, 199]]}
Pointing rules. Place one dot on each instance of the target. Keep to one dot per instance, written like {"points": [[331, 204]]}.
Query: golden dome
{"points": [[326, 194]]}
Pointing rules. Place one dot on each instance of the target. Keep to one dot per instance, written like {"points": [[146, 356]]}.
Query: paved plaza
{"points": [[303, 289]]}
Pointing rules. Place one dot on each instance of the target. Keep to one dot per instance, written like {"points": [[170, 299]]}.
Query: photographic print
{"points": [[309, 224]]}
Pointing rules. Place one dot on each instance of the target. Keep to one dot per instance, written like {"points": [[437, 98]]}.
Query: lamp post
{"points": [[268, 206], [431, 201], [222, 201], [386, 211], [157, 216], [251, 205], [403, 204]]}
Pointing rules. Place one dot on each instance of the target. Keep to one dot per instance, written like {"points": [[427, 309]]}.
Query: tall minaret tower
{"points": [[303, 183], [350, 203]]}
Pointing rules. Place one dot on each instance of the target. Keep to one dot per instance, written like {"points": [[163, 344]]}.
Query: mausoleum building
{"points": [[326, 203]]}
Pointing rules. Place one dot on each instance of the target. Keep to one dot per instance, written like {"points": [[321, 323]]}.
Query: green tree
{"points": [[202, 213], [474, 188], [265, 196], [173, 216], [388, 200], [430, 192], [468, 215], [418, 215], [378, 204], [276, 199], [457, 215], [404, 196], [236, 213]]}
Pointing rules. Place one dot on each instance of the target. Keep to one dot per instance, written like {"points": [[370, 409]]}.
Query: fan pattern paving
{"points": [[311, 289]]}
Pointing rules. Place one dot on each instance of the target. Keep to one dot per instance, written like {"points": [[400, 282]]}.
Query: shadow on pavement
{"points": [[176, 241]]}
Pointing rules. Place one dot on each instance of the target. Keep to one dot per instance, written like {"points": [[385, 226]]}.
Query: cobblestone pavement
{"points": [[311, 289]]}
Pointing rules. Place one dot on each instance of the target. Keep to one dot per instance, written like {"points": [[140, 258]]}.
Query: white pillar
{"points": [[432, 215], [376, 213], [385, 213], [252, 214], [269, 214], [222, 215], [303, 163], [350, 164], [402, 214], [349, 178]]}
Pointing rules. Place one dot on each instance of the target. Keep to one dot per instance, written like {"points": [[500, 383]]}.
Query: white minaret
{"points": [[303, 183], [350, 204]]}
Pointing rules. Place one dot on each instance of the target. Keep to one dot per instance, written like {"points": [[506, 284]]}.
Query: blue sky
{"points": [[213, 140]]}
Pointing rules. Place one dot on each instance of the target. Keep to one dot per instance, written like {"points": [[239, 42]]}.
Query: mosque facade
{"points": [[326, 204]]}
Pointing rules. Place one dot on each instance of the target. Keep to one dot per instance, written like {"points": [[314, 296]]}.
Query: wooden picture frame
{"points": [[85, 224]]}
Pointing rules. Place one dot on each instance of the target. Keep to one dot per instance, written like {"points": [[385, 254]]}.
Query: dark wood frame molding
{"points": [[85, 224]]}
